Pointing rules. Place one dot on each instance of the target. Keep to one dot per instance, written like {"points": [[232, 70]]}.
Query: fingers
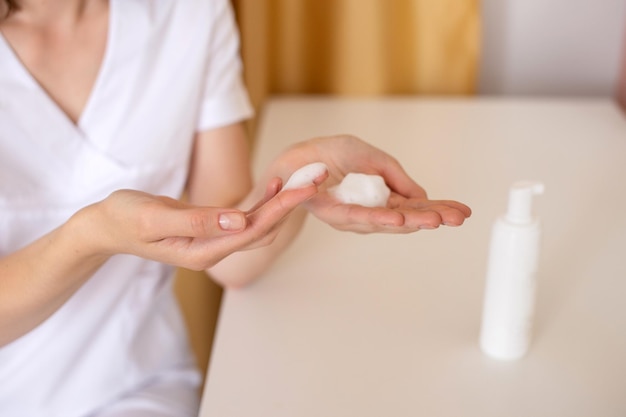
{"points": [[167, 230], [432, 214], [199, 222], [194, 238], [208, 222], [401, 215], [273, 187], [262, 226], [276, 185], [160, 217]]}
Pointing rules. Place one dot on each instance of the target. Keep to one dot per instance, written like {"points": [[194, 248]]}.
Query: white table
{"points": [[381, 325]]}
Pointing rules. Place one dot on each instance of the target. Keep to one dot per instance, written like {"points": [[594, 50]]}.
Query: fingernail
{"points": [[232, 221]]}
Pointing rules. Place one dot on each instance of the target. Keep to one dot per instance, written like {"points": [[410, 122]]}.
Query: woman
{"points": [[109, 110]]}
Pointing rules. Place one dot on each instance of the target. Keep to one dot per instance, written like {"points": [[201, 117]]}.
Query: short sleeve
{"points": [[225, 98]]}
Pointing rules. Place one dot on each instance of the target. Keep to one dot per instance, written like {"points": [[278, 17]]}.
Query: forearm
{"points": [[37, 279]]}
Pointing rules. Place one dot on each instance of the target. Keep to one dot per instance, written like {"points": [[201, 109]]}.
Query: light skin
{"points": [[228, 226]]}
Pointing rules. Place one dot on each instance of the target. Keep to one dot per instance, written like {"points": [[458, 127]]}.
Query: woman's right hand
{"points": [[167, 230]]}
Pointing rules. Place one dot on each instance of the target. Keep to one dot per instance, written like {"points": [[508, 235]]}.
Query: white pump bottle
{"points": [[510, 286]]}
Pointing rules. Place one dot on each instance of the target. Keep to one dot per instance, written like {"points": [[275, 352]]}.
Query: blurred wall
{"points": [[552, 47]]}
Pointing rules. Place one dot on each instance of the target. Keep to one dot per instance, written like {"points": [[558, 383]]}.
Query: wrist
{"points": [[84, 235]]}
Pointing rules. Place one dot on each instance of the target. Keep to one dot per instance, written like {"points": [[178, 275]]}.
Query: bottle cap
{"points": [[520, 201]]}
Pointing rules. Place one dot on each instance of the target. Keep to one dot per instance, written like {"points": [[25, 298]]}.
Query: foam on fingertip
{"points": [[305, 176], [362, 189]]}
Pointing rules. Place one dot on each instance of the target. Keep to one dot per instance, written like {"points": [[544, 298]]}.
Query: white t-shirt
{"points": [[171, 69]]}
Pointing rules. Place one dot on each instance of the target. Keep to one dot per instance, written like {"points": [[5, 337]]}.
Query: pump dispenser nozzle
{"points": [[520, 201]]}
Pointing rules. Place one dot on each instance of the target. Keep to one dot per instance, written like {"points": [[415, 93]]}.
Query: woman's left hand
{"points": [[408, 208]]}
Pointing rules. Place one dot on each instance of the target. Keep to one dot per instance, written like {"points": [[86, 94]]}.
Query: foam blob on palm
{"points": [[355, 188], [362, 189]]}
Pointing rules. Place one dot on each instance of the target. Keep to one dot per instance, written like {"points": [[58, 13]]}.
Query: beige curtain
{"points": [[354, 47], [359, 47]]}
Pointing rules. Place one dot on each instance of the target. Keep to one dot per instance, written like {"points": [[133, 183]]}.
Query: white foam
{"points": [[304, 176], [362, 189]]}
